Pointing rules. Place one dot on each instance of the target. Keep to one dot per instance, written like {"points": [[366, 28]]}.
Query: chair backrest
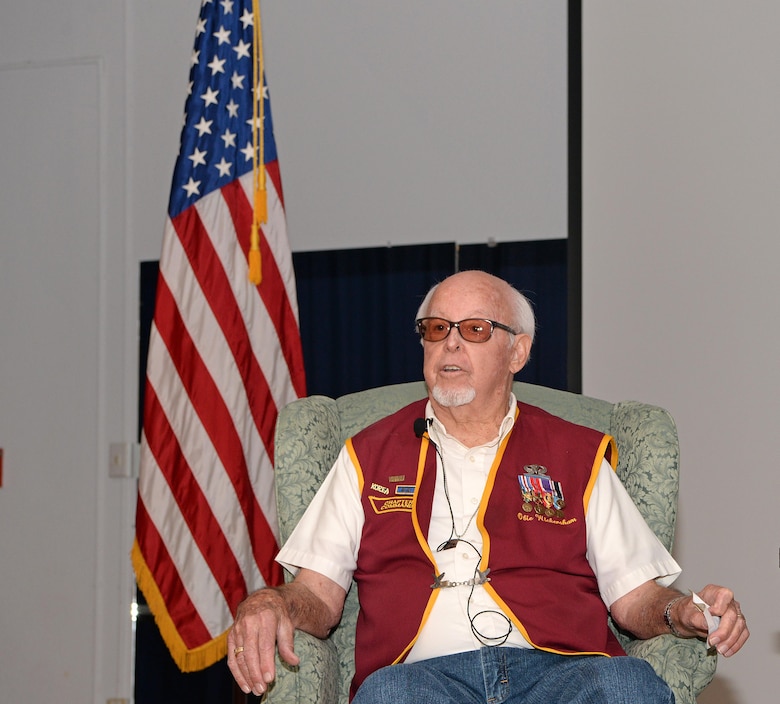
{"points": [[311, 431]]}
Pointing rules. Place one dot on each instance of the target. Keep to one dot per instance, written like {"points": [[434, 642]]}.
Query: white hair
{"points": [[521, 311]]}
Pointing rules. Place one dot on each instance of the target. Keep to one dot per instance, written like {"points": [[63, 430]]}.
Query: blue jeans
{"points": [[516, 676]]}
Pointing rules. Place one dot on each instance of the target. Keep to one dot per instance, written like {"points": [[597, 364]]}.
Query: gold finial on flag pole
{"points": [[260, 204]]}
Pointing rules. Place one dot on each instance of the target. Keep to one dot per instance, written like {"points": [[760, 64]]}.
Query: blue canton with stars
{"points": [[216, 140]]}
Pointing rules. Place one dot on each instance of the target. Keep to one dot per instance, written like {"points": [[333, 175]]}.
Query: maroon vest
{"points": [[532, 520]]}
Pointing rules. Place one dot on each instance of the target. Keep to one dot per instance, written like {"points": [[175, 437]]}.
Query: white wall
{"points": [[64, 579], [681, 244], [406, 121]]}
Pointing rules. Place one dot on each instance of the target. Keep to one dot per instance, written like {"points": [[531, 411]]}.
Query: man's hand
{"points": [[641, 612], [267, 619], [731, 633], [261, 622]]}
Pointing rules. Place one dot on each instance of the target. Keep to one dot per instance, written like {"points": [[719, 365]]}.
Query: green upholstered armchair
{"points": [[309, 435]]}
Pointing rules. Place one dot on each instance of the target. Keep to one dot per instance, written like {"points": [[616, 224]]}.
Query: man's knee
{"points": [[631, 680], [387, 685], [410, 684]]}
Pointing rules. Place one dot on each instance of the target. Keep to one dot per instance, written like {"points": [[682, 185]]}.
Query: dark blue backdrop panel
{"points": [[357, 310], [539, 270]]}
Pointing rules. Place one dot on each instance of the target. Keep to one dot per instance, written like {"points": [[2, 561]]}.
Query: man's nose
{"points": [[453, 340]]}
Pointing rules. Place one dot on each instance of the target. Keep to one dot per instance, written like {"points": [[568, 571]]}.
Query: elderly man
{"points": [[493, 584]]}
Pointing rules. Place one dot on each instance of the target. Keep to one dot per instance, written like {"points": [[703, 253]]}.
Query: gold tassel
{"points": [[261, 201], [260, 205], [255, 261], [260, 216]]}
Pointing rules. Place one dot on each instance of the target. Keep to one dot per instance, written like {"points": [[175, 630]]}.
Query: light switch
{"points": [[121, 460]]}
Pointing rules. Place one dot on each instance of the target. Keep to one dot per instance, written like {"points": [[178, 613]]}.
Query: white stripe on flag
{"points": [[266, 346], [217, 356], [205, 464], [184, 551], [275, 231]]}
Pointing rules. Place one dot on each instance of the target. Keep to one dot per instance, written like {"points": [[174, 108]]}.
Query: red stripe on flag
{"points": [[205, 529], [220, 427], [273, 171], [178, 606], [272, 289], [216, 287]]}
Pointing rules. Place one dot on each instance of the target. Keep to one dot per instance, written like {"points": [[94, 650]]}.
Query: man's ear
{"points": [[521, 351]]}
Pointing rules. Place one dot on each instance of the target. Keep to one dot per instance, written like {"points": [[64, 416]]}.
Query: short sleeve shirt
{"points": [[621, 549]]}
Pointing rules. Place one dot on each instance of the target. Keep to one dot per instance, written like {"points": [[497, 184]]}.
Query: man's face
{"points": [[459, 372]]}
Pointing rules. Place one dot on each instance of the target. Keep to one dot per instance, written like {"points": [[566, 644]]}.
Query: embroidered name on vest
{"points": [[545, 519], [390, 504]]}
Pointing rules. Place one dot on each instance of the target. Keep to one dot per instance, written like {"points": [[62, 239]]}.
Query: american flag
{"points": [[224, 354]]}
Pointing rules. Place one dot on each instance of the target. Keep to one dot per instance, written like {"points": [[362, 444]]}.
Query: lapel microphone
{"points": [[420, 426]]}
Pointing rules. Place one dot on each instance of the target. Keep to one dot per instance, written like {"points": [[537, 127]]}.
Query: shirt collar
{"points": [[506, 424]]}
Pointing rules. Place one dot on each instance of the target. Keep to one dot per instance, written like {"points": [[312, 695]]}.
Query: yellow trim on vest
{"points": [[491, 481], [606, 441], [613, 457], [356, 464], [421, 539], [426, 614], [505, 608]]}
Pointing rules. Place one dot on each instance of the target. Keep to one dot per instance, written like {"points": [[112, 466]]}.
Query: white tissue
{"points": [[712, 621]]}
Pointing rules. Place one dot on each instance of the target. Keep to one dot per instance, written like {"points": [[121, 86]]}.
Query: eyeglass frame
{"points": [[456, 324]]}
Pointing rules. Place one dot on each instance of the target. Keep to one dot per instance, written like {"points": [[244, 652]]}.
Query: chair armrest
{"points": [[685, 664], [314, 681]]}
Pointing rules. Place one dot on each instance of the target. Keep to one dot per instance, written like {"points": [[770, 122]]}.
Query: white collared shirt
{"points": [[621, 549]]}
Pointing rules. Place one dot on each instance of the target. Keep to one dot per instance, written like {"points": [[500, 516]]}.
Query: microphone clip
{"points": [[421, 426]]}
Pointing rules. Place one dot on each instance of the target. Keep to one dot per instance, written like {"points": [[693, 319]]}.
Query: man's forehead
{"points": [[468, 299]]}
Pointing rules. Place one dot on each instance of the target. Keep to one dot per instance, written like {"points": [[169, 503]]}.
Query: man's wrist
{"points": [[668, 618]]}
